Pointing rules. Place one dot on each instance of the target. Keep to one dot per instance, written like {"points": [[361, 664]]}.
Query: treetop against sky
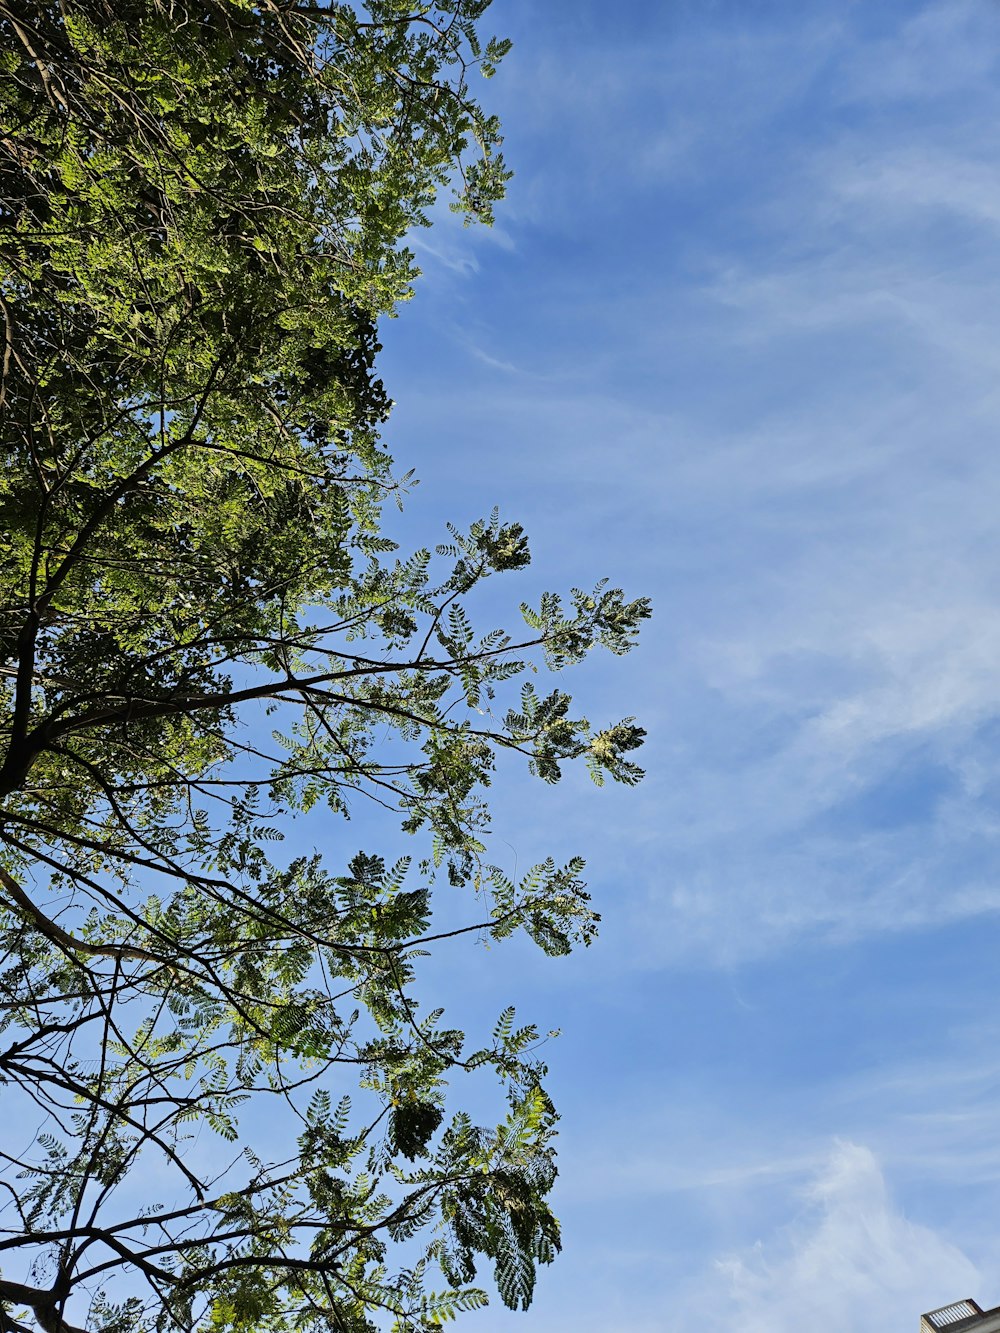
{"points": [[730, 340], [204, 633]]}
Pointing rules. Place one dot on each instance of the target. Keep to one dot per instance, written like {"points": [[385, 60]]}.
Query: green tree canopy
{"points": [[204, 632]]}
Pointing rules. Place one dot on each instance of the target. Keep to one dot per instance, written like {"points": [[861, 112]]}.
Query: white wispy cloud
{"points": [[717, 1211], [764, 389], [939, 50], [788, 435], [850, 1260]]}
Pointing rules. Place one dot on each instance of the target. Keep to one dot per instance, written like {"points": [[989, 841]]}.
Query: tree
{"points": [[203, 633]]}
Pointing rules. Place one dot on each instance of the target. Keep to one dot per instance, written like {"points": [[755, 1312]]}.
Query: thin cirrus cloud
{"points": [[809, 496], [851, 1259], [747, 1212], [741, 354]]}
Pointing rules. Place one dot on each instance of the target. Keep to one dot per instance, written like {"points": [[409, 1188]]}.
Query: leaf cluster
{"points": [[204, 633]]}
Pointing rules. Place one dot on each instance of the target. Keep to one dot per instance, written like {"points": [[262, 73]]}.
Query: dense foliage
{"points": [[203, 632]]}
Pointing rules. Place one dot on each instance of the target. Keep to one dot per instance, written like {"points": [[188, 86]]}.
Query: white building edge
{"points": [[961, 1317]]}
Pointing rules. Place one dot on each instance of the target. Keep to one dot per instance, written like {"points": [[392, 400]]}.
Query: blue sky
{"points": [[733, 343]]}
